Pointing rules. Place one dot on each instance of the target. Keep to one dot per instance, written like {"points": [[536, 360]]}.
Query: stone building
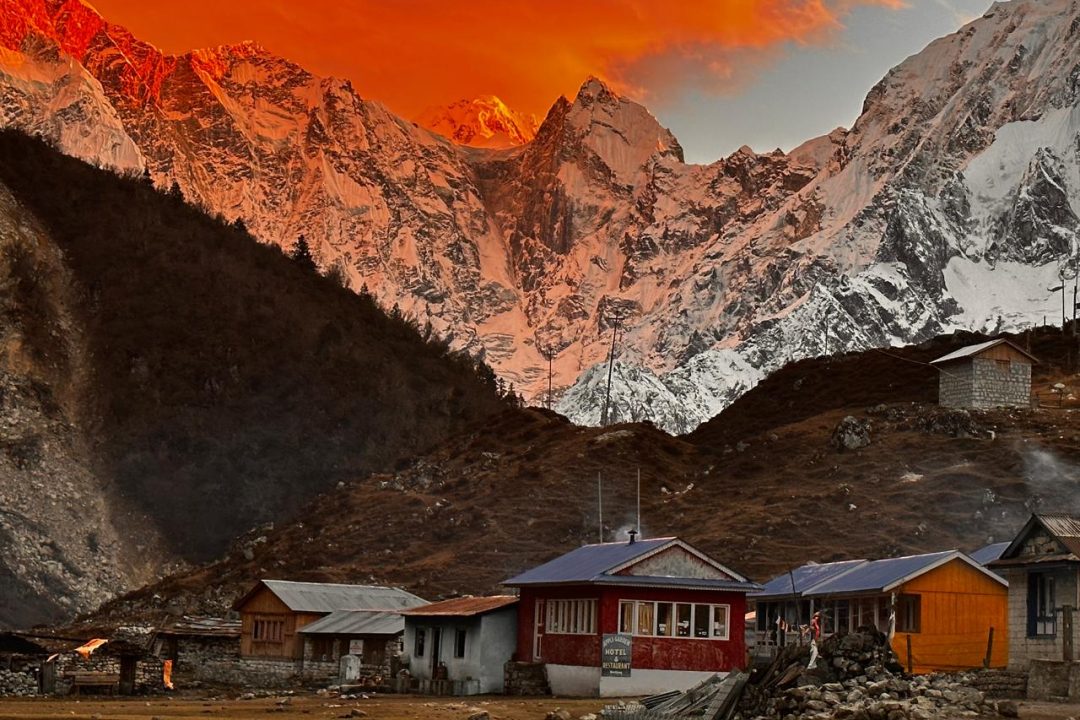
{"points": [[1042, 565], [992, 374]]}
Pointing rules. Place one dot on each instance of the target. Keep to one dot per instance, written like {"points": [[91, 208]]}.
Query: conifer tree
{"points": [[301, 254]]}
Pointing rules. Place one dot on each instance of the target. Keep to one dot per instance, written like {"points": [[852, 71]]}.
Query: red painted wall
{"points": [[648, 653]]}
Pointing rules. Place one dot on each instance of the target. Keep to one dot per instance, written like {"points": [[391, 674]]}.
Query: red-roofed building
{"points": [[631, 618]]}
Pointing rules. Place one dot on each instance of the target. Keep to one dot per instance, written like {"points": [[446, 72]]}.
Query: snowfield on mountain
{"points": [[951, 203]]}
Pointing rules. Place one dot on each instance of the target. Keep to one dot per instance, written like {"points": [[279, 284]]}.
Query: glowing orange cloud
{"points": [[415, 53]]}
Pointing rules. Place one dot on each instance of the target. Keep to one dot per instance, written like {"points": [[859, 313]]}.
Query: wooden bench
{"points": [[80, 680]]}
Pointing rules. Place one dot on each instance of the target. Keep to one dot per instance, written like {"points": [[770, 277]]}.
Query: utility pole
{"points": [[615, 320], [1060, 287], [549, 354]]}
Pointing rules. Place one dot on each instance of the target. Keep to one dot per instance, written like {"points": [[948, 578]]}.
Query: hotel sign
{"points": [[615, 656]]}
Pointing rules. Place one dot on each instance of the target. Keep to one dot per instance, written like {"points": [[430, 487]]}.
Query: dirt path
{"points": [[386, 708]]}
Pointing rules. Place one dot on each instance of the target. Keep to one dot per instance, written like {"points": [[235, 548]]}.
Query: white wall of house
{"points": [[490, 641]]}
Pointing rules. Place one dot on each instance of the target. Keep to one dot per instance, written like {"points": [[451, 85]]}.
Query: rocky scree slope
{"points": [[951, 203], [762, 487], [167, 383]]}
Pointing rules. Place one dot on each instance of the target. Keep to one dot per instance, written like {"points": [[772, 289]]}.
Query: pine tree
{"points": [[175, 192], [301, 254], [239, 225]]}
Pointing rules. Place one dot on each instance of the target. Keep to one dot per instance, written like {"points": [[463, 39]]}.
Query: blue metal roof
{"points": [[877, 575], [805, 577], [679, 582], [989, 553], [587, 563]]}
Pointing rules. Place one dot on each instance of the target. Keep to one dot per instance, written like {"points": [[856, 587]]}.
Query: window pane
{"points": [[646, 618], [720, 621], [419, 643], [683, 614], [663, 620], [701, 621], [626, 617]]}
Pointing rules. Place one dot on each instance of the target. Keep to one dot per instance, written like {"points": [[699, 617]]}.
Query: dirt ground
{"points": [[395, 707], [383, 708]]}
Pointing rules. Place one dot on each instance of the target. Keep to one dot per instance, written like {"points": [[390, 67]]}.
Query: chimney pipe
{"points": [[633, 536]]}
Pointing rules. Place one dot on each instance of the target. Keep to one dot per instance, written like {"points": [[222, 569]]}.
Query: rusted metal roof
{"points": [[202, 627], [357, 622], [463, 606], [1064, 528], [973, 350], [328, 597]]}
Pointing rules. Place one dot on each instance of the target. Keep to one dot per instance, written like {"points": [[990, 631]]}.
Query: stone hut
{"points": [[992, 374]]}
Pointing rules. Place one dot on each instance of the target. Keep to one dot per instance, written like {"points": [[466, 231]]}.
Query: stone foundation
{"points": [[1001, 683], [522, 678]]}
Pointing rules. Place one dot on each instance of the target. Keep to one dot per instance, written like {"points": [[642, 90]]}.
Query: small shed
{"points": [[461, 646], [199, 646], [991, 374], [373, 637]]}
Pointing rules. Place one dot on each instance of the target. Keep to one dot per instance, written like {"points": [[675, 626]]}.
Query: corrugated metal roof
{"points": [[877, 575], [989, 553], [462, 607], [328, 597], [357, 622], [1065, 528], [678, 582], [972, 350], [588, 562], [805, 577]]}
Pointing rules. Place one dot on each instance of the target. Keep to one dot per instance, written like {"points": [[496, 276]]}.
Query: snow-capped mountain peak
{"points": [[953, 202], [484, 122]]}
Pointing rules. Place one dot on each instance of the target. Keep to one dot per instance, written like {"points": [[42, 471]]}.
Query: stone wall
{"points": [[985, 383], [148, 671], [1054, 680], [18, 683], [1000, 683], [521, 678]]}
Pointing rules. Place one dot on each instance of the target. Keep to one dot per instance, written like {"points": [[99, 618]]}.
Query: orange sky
{"points": [[412, 54]]}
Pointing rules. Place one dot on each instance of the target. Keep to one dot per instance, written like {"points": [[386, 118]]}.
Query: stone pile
{"points": [[16, 683], [857, 677]]}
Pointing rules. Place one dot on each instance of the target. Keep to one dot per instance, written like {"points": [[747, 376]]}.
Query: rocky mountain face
{"points": [[167, 383], [483, 122], [951, 203]]}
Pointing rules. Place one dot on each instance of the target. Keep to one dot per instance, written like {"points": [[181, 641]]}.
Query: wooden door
{"points": [[127, 675]]}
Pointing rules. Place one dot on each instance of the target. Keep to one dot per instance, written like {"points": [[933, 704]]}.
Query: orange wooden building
{"points": [[943, 606]]}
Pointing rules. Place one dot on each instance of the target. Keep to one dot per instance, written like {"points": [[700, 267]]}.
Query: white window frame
{"points": [[674, 619], [570, 616]]}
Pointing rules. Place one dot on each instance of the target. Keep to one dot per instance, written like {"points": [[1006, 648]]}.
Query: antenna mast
{"points": [[639, 502], [600, 504]]}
